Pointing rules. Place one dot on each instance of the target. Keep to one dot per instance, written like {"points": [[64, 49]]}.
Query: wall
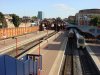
{"points": [[10, 32]]}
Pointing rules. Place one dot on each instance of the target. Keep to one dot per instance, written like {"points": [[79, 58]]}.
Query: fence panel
{"points": [[11, 32]]}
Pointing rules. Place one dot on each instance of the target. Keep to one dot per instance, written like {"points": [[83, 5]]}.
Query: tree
{"points": [[16, 20], [2, 20], [94, 21], [1, 17], [58, 19], [34, 17]]}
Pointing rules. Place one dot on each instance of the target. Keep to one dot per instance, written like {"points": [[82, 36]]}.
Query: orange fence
{"points": [[11, 32]]}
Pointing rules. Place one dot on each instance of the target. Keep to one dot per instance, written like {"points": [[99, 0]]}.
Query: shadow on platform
{"points": [[53, 47], [58, 38]]}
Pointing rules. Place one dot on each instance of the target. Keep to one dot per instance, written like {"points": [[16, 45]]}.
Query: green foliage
{"points": [[34, 17], [16, 20], [71, 22], [2, 20], [1, 16], [58, 19], [95, 21]]}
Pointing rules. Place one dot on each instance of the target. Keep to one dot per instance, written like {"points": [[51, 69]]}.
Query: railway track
{"points": [[25, 48], [68, 63], [87, 64], [67, 70]]}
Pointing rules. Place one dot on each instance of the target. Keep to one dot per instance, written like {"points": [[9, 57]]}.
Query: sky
{"points": [[50, 8]]}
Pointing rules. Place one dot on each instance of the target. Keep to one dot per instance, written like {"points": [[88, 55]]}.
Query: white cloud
{"points": [[62, 7], [65, 9]]}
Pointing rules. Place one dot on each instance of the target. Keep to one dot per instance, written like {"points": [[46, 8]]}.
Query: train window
{"points": [[81, 41], [92, 30], [98, 30]]}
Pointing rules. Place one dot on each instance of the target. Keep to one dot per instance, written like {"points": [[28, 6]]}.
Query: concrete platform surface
{"points": [[10, 44], [94, 51], [52, 54]]}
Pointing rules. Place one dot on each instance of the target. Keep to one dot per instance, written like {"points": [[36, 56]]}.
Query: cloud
{"points": [[62, 7], [65, 9]]}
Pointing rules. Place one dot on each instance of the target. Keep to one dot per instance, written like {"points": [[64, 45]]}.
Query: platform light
{"points": [[59, 25], [52, 25], [43, 25]]}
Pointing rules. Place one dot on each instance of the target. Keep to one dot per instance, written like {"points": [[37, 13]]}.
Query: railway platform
{"points": [[52, 54], [94, 51], [9, 44]]}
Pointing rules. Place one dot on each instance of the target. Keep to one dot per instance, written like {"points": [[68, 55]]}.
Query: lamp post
{"points": [[39, 60], [16, 45], [52, 26], [59, 27], [25, 27], [4, 35], [47, 33], [56, 27]]}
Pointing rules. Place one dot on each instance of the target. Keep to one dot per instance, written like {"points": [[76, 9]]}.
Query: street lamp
{"points": [[39, 59], [16, 45], [25, 27], [4, 36], [59, 27], [47, 32]]}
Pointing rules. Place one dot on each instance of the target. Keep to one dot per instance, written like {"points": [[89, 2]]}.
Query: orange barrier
{"points": [[11, 32]]}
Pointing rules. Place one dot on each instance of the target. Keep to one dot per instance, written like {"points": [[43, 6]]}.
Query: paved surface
{"points": [[7, 43], [94, 50], [52, 51], [95, 47], [52, 54]]}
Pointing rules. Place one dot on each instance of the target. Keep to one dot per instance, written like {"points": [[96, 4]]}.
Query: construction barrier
{"points": [[11, 32], [27, 65]]}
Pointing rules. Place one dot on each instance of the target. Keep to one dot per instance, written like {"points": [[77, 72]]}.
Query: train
{"points": [[74, 36], [71, 33], [80, 41]]}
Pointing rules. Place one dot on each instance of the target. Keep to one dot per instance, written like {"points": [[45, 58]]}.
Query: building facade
{"points": [[71, 19], [8, 17], [40, 15], [84, 16]]}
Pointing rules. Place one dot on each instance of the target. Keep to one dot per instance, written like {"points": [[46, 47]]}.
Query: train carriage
{"points": [[80, 41]]}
